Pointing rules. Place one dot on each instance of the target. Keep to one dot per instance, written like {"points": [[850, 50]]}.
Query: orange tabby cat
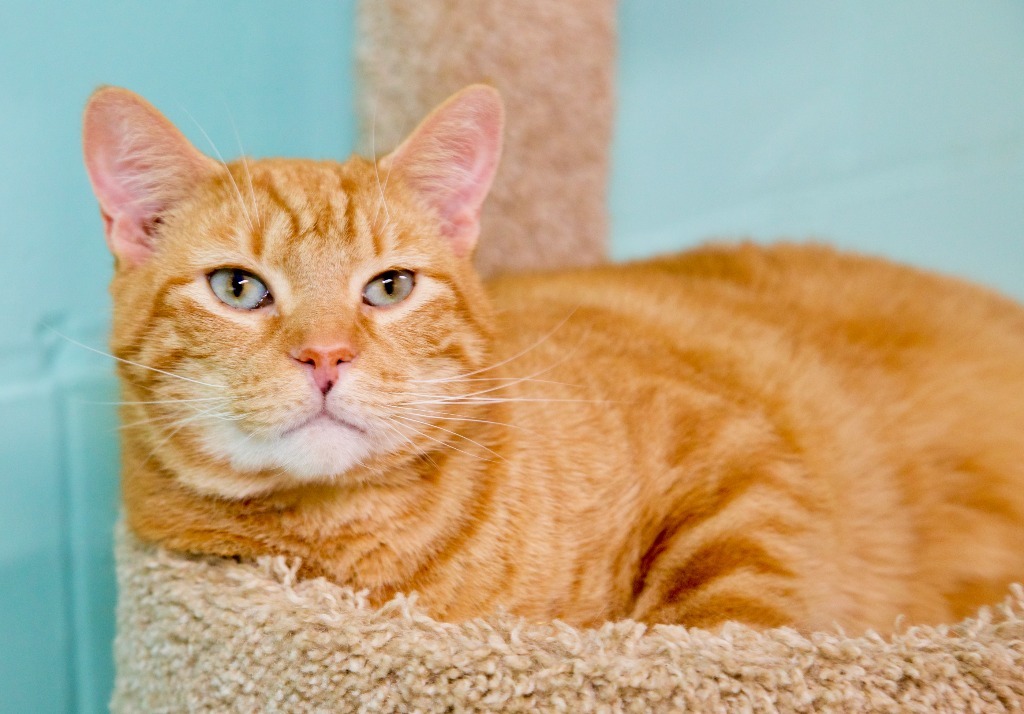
{"points": [[783, 435]]}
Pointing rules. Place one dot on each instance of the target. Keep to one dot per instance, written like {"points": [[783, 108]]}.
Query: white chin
{"points": [[318, 451]]}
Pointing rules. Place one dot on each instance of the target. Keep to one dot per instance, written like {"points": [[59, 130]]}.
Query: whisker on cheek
{"points": [[458, 417], [455, 433], [135, 364], [185, 422], [509, 381], [390, 423], [502, 400], [174, 417], [446, 444], [516, 356], [162, 401]]}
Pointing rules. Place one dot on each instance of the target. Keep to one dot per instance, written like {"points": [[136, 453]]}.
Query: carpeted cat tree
{"points": [[208, 634]]}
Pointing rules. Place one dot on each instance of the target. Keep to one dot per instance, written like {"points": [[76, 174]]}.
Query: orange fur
{"points": [[778, 435]]}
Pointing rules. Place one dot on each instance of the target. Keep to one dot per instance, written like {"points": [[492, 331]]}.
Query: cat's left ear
{"points": [[450, 159]]}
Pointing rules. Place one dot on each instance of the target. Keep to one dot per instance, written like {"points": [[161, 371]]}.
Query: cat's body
{"points": [[779, 435]]}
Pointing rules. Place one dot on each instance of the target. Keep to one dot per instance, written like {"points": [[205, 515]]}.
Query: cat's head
{"points": [[283, 322]]}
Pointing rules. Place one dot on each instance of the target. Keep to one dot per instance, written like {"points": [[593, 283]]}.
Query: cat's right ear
{"points": [[139, 164], [450, 159]]}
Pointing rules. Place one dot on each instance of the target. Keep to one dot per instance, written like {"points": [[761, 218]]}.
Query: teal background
{"points": [[890, 127], [279, 73]]}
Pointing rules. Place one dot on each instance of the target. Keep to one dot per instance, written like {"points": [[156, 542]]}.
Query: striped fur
{"points": [[777, 435]]}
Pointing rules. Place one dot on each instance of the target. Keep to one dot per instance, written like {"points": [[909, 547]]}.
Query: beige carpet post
{"points": [[553, 63]]}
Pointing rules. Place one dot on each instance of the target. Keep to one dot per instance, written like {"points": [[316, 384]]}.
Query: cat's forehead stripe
{"points": [[361, 230], [328, 207], [351, 219], [274, 196]]}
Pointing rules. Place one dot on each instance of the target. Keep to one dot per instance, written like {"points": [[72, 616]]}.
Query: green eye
{"points": [[239, 289], [388, 288]]}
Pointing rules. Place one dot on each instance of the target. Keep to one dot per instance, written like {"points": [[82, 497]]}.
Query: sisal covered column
{"points": [[553, 62]]}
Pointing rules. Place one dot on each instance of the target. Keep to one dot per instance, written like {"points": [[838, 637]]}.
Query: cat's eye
{"points": [[388, 288], [239, 289]]}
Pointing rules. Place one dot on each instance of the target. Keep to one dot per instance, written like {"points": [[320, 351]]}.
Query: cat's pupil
{"points": [[389, 285], [238, 282]]}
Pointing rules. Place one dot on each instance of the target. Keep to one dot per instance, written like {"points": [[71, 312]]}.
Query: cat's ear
{"points": [[450, 159], [139, 164]]}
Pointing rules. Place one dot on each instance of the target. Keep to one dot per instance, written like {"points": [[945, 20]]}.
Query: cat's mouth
{"points": [[324, 418]]}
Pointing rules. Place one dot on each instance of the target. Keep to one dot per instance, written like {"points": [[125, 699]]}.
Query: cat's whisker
{"points": [[163, 401], [376, 169], [245, 165], [387, 176], [252, 192], [209, 413], [159, 419], [220, 157], [517, 381], [149, 422], [170, 436], [228, 416], [513, 357], [455, 433], [457, 417], [499, 400], [386, 421], [258, 431], [153, 421], [506, 383], [494, 379], [134, 364], [446, 444]]}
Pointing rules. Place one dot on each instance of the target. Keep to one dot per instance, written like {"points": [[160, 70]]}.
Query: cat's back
{"points": [[797, 325], [849, 301], [778, 306], [899, 394]]}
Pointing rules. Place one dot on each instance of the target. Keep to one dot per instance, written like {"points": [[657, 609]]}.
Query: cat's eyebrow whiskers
{"points": [[252, 192], [376, 170], [134, 364], [248, 174], [220, 157]]}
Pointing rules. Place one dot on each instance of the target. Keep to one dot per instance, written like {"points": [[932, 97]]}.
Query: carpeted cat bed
{"points": [[208, 634], [214, 635]]}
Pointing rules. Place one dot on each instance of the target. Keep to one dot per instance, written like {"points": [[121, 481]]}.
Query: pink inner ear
{"points": [[450, 161], [139, 164]]}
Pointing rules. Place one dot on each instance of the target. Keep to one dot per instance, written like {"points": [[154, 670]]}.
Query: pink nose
{"points": [[326, 363]]}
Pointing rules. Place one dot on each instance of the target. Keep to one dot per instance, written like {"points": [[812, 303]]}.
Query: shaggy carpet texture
{"points": [[216, 635]]}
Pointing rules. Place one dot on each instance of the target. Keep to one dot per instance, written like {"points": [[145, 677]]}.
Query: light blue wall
{"points": [[894, 127], [891, 127], [280, 73]]}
